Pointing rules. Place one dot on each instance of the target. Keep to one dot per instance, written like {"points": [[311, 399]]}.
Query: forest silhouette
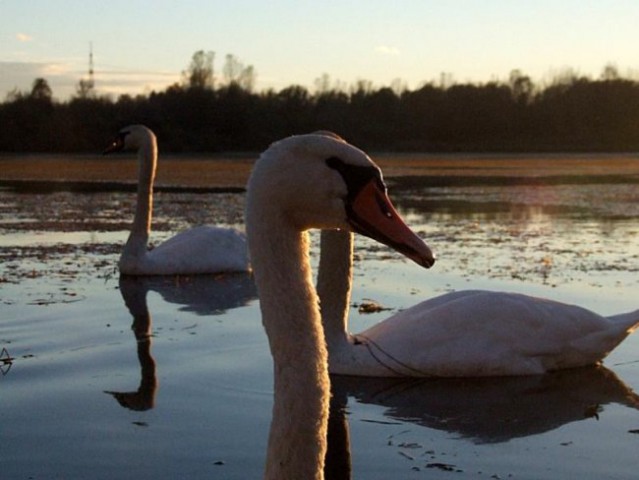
{"points": [[571, 113]]}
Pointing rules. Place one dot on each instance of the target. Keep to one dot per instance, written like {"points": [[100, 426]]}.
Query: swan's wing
{"points": [[202, 249], [492, 333]]}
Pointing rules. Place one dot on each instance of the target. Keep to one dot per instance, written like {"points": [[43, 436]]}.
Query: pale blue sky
{"points": [[142, 45]]}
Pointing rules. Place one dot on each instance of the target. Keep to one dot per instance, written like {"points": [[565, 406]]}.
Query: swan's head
{"points": [[321, 181], [130, 138]]}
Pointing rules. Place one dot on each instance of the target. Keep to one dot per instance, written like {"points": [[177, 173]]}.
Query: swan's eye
{"points": [[383, 205], [380, 198], [117, 144]]}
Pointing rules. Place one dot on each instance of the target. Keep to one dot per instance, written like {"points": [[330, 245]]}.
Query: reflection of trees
{"points": [[523, 198], [571, 112]]}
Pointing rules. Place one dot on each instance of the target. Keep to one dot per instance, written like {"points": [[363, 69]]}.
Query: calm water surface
{"points": [[171, 378]]}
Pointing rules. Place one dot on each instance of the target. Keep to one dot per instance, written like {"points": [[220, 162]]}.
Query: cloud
{"points": [[386, 50], [63, 78], [20, 75], [23, 37], [122, 81]]}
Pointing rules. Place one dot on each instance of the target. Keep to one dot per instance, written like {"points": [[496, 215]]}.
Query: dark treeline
{"points": [[571, 113]]}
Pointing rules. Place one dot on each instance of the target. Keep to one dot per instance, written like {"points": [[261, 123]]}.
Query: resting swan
{"points": [[303, 182], [202, 249], [461, 334]]}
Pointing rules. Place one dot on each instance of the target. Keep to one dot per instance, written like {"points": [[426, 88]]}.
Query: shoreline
{"points": [[96, 186], [230, 173]]}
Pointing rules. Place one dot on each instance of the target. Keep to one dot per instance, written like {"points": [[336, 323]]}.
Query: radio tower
{"points": [[91, 81], [86, 86]]}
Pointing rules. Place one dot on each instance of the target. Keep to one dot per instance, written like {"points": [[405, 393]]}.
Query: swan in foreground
{"points": [[202, 249], [303, 182], [460, 334]]}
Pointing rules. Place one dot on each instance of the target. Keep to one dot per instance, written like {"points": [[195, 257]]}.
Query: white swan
{"points": [[202, 249], [308, 181], [460, 334]]}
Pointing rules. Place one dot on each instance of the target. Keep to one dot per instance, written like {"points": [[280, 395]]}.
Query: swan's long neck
{"points": [[136, 245], [334, 284], [290, 313], [348, 354]]}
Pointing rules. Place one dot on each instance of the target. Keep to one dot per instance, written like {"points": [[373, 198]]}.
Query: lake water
{"points": [[88, 396]]}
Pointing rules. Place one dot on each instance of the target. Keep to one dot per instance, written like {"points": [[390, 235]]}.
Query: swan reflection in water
{"points": [[199, 294], [480, 410], [492, 410]]}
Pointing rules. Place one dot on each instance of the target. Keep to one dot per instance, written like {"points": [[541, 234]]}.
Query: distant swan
{"points": [[461, 334], [202, 249], [303, 182]]}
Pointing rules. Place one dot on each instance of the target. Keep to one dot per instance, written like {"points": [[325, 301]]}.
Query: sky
{"points": [[144, 45]]}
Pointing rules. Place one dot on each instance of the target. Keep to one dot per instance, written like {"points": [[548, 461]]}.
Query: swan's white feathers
{"points": [[199, 250], [480, 333]]}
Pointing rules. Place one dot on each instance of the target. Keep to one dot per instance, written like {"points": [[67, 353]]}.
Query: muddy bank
{"points": [[230, 173]]}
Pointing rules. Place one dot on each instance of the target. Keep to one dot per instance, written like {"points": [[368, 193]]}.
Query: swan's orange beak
{"points": [[371, 213]]}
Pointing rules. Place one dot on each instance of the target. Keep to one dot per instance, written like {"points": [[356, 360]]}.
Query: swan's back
{"points": [[483, 333], [199, 250]]}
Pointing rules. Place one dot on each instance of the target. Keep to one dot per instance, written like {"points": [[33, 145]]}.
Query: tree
{"points": [[235, 73], [323, 84], [85, 89], [14, 95], [199, 74], [521, 87], [41, 90], [398, 86], [571, 112], [232, 69], [610, 73], [247, 78]]}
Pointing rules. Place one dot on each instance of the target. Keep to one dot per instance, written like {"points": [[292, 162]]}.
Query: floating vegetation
{"points": [[551, 234], [370, 306]]}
